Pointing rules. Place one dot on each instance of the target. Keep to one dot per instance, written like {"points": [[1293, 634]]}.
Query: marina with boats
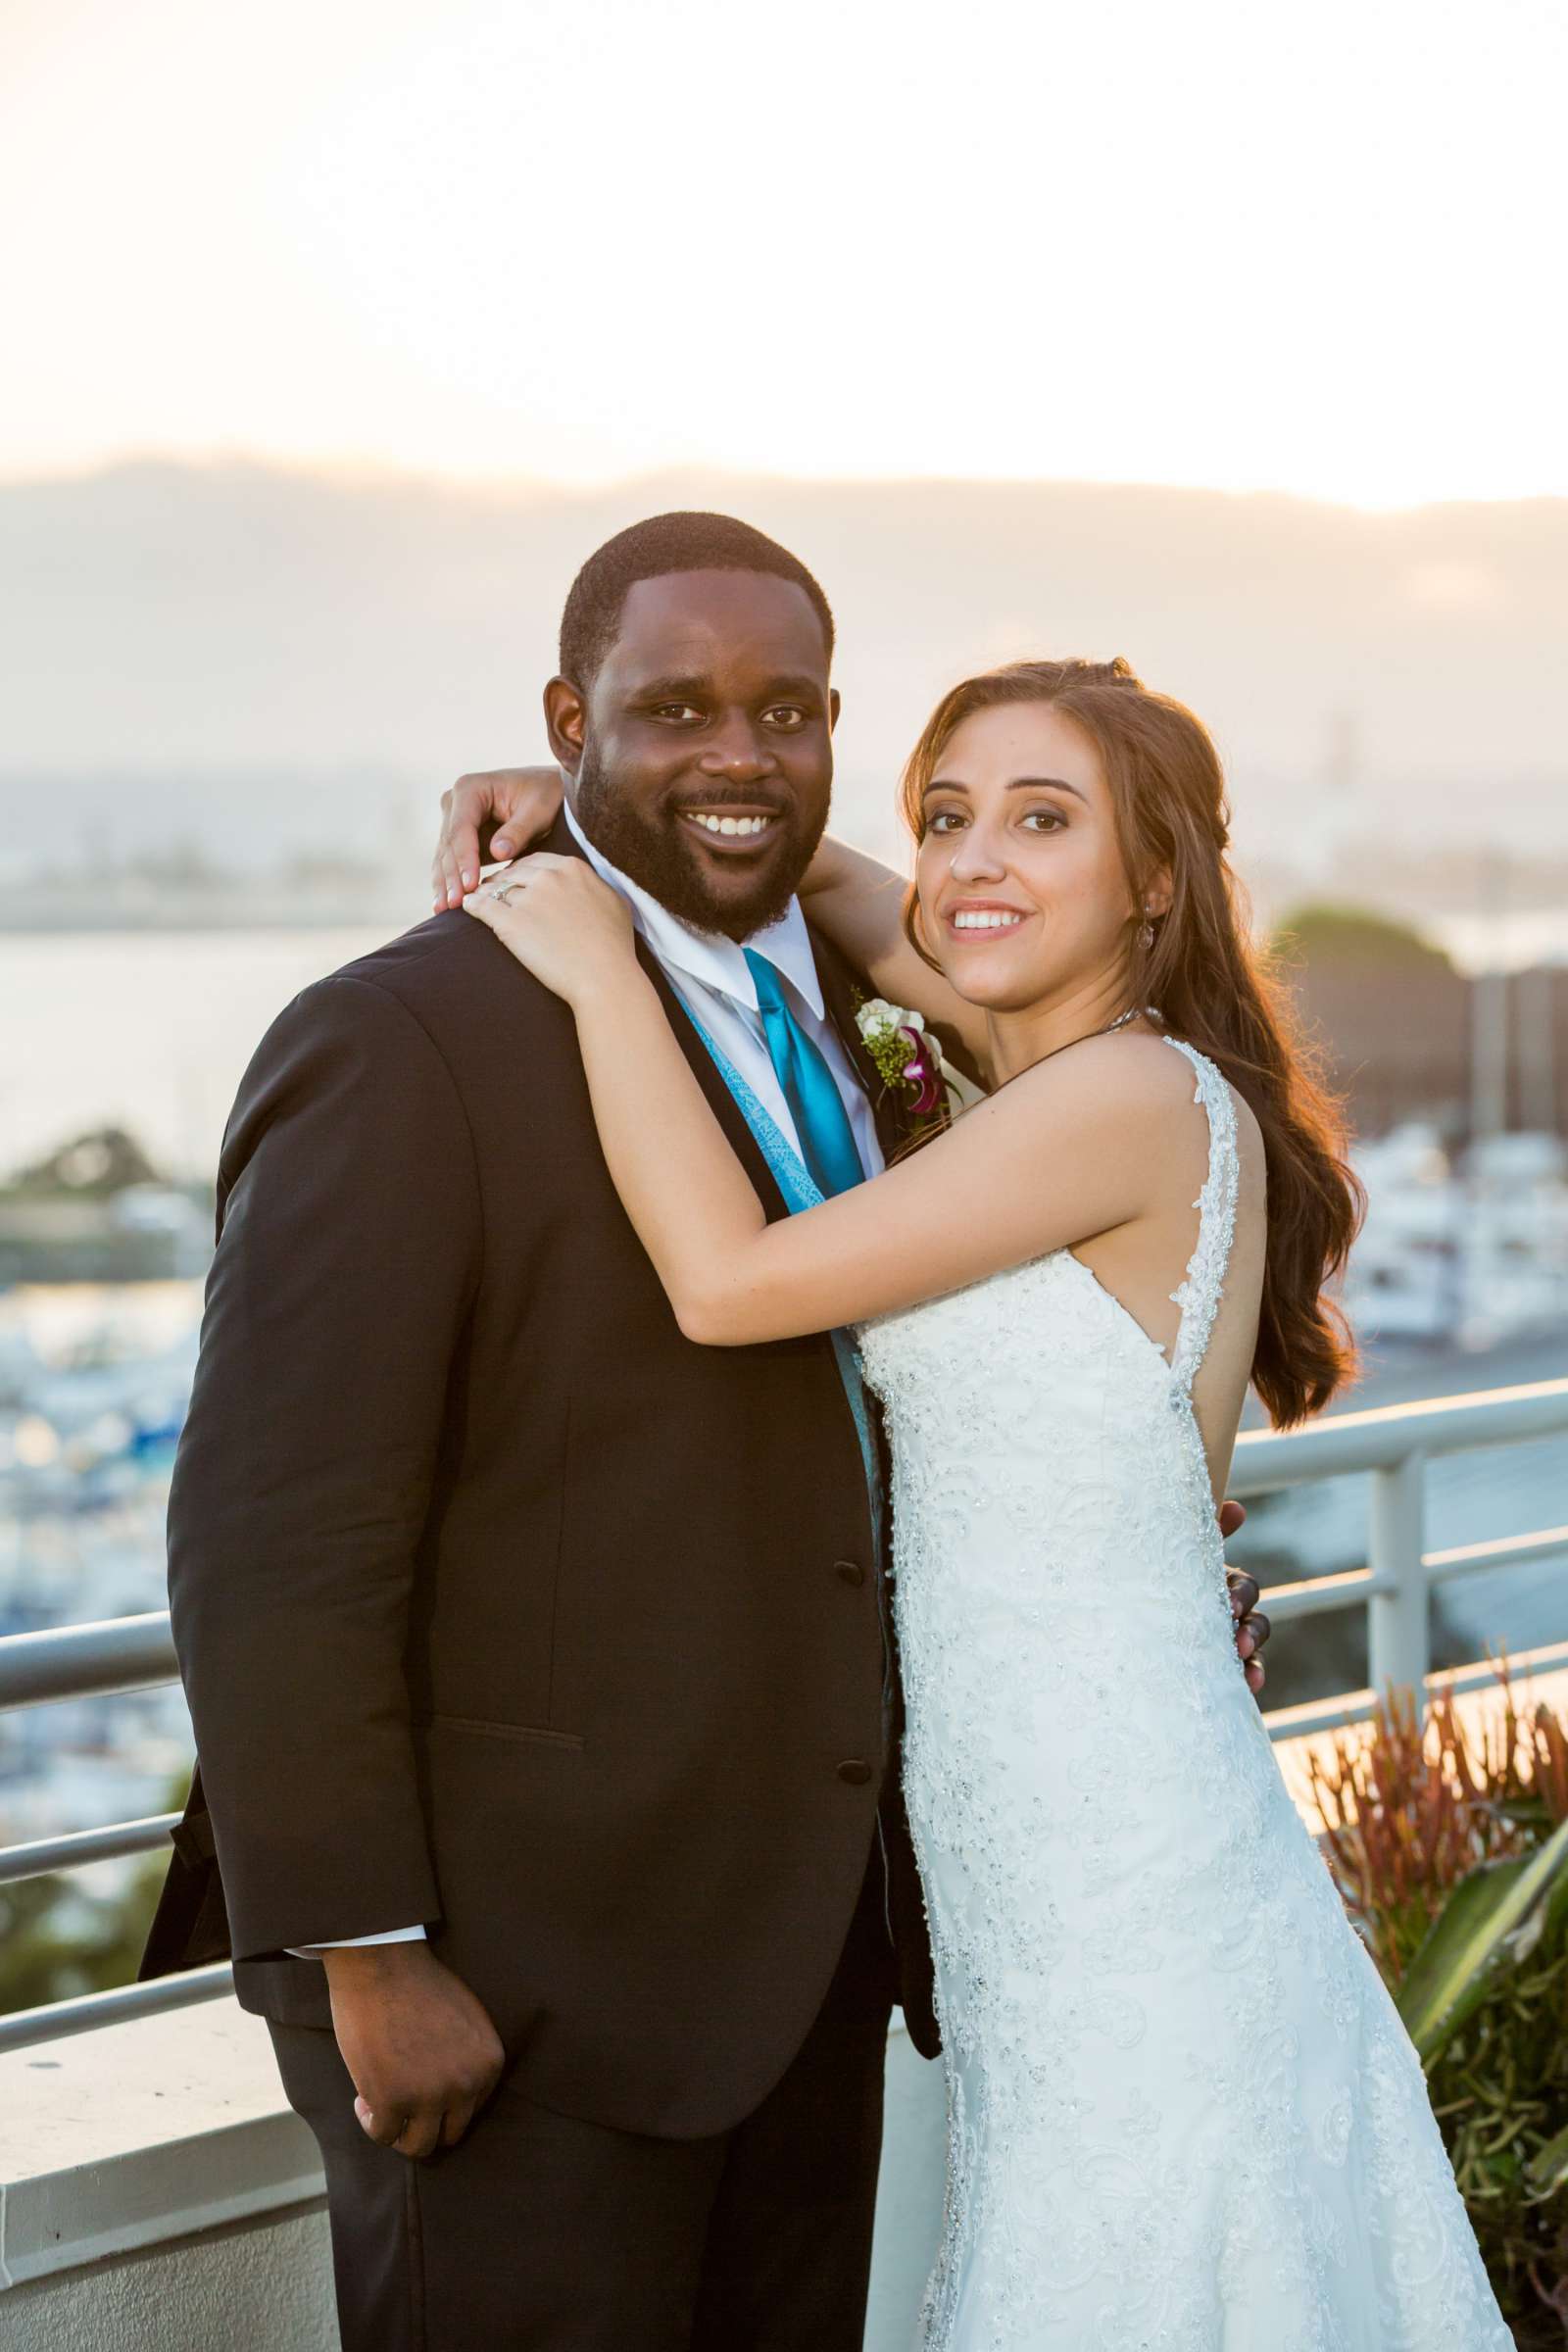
{"points": [[1459, 1283]]}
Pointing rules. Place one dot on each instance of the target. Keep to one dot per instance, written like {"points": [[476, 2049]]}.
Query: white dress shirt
{"points": [[712, 979]]}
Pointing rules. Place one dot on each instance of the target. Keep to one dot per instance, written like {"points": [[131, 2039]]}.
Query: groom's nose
{"points": [[739, 755]]}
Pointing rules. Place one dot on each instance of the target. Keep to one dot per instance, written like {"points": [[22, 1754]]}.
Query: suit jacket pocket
{"points": [[535, 1734]]}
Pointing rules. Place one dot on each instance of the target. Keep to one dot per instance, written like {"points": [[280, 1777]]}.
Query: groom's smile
{"points": [[733, 830], [701, 753]]}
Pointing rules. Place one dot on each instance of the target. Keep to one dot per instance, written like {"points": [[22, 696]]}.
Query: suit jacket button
{"points": [[856, 1772], [849, 1572]]}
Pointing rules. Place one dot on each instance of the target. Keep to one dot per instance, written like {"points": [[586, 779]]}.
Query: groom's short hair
{"points": [[649, 551]]}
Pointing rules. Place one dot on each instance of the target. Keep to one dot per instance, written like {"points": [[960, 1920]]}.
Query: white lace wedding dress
{"points": [[1182, 2110]]}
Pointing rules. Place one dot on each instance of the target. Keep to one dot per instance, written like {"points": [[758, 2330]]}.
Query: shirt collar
{"points": [[706, 955]]}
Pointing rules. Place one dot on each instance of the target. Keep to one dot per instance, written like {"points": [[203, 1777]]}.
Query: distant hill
{"points": [[211, 646]]}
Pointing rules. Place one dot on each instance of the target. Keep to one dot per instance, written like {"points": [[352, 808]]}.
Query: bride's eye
{"points": [[1049, 820], [946, 821]]}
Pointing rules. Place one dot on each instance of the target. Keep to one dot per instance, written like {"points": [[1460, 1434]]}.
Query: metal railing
{"points": [[1394, 1443], [94, 1661]]}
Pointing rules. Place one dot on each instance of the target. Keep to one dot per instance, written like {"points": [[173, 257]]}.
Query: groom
{"points": [[539, 1659]]}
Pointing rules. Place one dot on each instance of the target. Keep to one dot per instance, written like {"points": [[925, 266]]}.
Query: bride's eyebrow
{"points": [[1047, 784], [1018, 784]]}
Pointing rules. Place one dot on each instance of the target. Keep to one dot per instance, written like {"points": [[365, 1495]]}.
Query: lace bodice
{"points": [[1115, 1878]]}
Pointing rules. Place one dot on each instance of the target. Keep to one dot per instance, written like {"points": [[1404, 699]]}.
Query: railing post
{"points": [[1399, 1636]]}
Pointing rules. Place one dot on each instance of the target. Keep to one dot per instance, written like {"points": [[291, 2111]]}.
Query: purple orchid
{"points": [[919, 1073]]}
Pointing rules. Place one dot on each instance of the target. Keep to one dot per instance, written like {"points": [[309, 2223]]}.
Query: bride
{"points": [[1061, 1300]]}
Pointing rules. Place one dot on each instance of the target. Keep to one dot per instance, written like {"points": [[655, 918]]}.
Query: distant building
{"points": [[1397, 1023]]}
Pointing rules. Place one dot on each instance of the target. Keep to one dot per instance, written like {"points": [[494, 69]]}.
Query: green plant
{"points": [[1450, 1847], [56, 1943], [61, 1937]]}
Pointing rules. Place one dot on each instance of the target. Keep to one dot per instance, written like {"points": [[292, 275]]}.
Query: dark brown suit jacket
{"points": [[501, 1606]]}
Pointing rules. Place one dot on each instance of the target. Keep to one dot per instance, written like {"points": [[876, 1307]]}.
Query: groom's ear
{"points": [[833, 707], [566, 722]]}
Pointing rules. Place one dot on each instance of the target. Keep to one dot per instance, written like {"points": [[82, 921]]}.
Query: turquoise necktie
{"points": [[827, 1139]]}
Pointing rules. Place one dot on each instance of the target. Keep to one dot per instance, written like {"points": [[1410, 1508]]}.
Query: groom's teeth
{"points": [[743, 825]]}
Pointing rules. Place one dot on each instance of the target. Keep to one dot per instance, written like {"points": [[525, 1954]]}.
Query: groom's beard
{"points": [[652, 845]]}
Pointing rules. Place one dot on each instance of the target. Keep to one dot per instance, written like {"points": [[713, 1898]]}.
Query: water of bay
{"points": [[146, 1030]]}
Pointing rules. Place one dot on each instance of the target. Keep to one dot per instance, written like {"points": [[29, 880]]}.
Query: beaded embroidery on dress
{"points": [[1128, 2168]]}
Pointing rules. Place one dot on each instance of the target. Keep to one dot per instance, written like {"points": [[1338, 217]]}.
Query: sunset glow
{"points": [[1249, 248]]}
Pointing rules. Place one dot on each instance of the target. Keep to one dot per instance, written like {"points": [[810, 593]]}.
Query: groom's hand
{"points": [[486, 818], [1252, 1628], [419, 2046]]}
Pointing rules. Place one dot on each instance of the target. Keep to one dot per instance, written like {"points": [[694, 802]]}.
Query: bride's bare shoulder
{"points": [[1126, 1072], [1131, 1090]]}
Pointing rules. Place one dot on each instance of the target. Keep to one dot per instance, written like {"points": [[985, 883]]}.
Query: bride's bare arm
{"points": [[855, 898], [858, 902], [1069, 1151]]}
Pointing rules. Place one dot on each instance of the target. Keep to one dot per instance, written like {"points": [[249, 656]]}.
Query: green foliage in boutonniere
{"points": [[907, 1059]]}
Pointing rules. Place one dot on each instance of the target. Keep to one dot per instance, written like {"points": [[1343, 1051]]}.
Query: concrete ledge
{"points": [[158, 2129], [158, 2194], [263, 2285]]}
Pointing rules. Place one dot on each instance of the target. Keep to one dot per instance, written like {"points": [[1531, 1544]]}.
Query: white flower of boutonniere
{"points": [[895, 1039]]}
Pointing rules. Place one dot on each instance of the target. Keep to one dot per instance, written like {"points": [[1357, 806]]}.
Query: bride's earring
{"points": [[1146, 936]]}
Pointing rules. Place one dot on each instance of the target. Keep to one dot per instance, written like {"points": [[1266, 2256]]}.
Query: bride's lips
{"points": [[732, 829]]}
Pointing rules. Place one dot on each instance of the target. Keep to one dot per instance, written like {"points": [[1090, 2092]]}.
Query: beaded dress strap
{"points": [[1199, 1295]]}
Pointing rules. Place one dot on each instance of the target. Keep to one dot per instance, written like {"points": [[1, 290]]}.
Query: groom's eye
{"points": [[681, 713], [787, 716]]}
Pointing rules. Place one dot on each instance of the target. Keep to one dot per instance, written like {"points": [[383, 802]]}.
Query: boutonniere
{"points": [[908, 1060]]}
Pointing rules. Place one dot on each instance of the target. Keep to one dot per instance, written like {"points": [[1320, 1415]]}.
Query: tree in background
{"points": [[1392, 1011], [58, 1941]]}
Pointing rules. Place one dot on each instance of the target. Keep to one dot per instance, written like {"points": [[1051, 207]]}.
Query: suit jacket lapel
{"points": [[842, 986], [737, 1134]]}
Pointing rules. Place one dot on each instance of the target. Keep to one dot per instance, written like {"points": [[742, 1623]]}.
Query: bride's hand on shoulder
{"points": [[562, 923], [492, 814]]}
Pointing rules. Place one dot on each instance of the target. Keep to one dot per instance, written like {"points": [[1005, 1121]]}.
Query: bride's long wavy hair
{"points": [[1211, 986]]}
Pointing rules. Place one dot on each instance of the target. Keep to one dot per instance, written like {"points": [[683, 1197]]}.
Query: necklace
{"points": [[1148, 1012]]}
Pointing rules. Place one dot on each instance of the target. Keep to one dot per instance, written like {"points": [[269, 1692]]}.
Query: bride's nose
{"points": [[979, 856]]}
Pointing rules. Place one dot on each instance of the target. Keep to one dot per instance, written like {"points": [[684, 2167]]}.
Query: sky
{"points": [[1231, 243]]}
